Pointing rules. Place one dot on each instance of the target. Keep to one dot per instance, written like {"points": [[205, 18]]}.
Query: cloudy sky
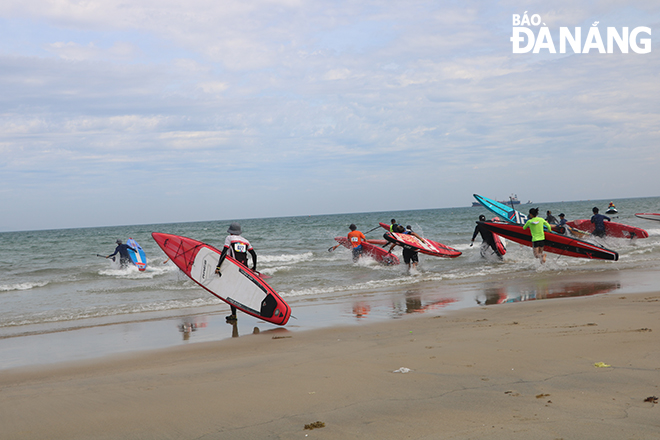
{"points": [[156, 111]]}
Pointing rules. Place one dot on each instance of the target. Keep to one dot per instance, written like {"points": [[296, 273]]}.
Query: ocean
{"points": [[61, 302]]}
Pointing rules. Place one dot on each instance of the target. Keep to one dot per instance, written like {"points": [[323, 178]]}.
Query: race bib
{"points": [[354, 239], [240, 247]]}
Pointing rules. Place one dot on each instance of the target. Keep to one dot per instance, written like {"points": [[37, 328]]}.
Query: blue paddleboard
{"points": [[502, 210], [138, 258]]}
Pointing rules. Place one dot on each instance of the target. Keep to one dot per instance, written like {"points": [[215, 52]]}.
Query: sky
{"points": [[159, 111]]}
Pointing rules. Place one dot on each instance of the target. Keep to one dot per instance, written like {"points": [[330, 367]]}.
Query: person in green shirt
{"points": [[536, 225]]}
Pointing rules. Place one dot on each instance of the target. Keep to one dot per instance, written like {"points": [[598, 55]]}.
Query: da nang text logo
{"points": [[525, 39]]}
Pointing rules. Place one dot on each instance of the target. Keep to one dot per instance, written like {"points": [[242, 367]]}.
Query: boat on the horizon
{"points": [[513, 200]]}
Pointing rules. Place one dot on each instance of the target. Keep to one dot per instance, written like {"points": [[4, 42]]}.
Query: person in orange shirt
{"points": [[356, 238]]}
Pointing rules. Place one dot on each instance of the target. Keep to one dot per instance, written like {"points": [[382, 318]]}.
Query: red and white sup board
{"points": [[377, 253], [500, 242], [425, 246], [649, 216], [237, 285], [612, 229]]}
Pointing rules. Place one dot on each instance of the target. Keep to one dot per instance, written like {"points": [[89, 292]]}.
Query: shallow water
{"points": [[55, 292]]}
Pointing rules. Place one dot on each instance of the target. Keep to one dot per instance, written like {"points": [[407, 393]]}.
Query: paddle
{"points": [[371, 230], [103, 256]]}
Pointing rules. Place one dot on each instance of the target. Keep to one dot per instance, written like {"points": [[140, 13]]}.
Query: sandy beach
{"points": [[578, 368]]}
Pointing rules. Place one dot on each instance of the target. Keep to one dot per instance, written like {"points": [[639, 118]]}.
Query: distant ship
{"points": [[513, 200]]}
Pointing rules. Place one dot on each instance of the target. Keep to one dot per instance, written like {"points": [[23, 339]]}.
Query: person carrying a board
{"points": [[356, 238], [394, 227], [122, 250], [388, 236], [237, 247], [410, 254], [562, 227], [486, 237], [599, 223], [536, 226]]}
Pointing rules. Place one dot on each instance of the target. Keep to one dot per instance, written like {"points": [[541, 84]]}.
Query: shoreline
{"points": [[111, 338], [516, 371]]}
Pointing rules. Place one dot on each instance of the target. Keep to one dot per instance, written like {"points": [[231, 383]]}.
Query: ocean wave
{"points": [[368, 285], [132, 272], [285, 258], [102, 312], [22, 286], [272, 270]]}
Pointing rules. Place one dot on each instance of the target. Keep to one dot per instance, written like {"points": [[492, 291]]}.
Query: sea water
{"points": [[58, 297]]}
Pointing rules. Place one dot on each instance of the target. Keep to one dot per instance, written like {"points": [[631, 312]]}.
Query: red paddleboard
{"points": [[499, 241], [612, 229], [425, 246], [555, 243], [237, 285], [649, 216], [377, 253]]}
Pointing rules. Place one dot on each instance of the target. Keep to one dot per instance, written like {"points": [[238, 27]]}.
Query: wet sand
{"points": [[513, 371], [94, 338]]}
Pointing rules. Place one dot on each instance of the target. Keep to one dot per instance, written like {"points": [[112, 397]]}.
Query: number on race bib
{"points": [[240, 247]]}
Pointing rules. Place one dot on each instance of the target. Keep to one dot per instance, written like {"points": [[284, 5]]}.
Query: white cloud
{"points": [[305, 96], [76, 52], [337, 74]]}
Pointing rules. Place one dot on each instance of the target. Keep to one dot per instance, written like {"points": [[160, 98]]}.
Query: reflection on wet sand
{"points": [[543, 290], [416, 301], [191, 324], [194, 324], [432, 298], [234, 329], [361, 309]]}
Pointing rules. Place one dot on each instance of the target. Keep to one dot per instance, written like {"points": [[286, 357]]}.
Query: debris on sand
{"points": [[315, 425]]}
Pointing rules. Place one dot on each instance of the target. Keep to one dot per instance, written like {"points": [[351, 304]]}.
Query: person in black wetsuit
{"points": [[122, 250], [237, 247], [390, 240], [411, 255], [486, 236], [599, 223], [394, 227]]}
